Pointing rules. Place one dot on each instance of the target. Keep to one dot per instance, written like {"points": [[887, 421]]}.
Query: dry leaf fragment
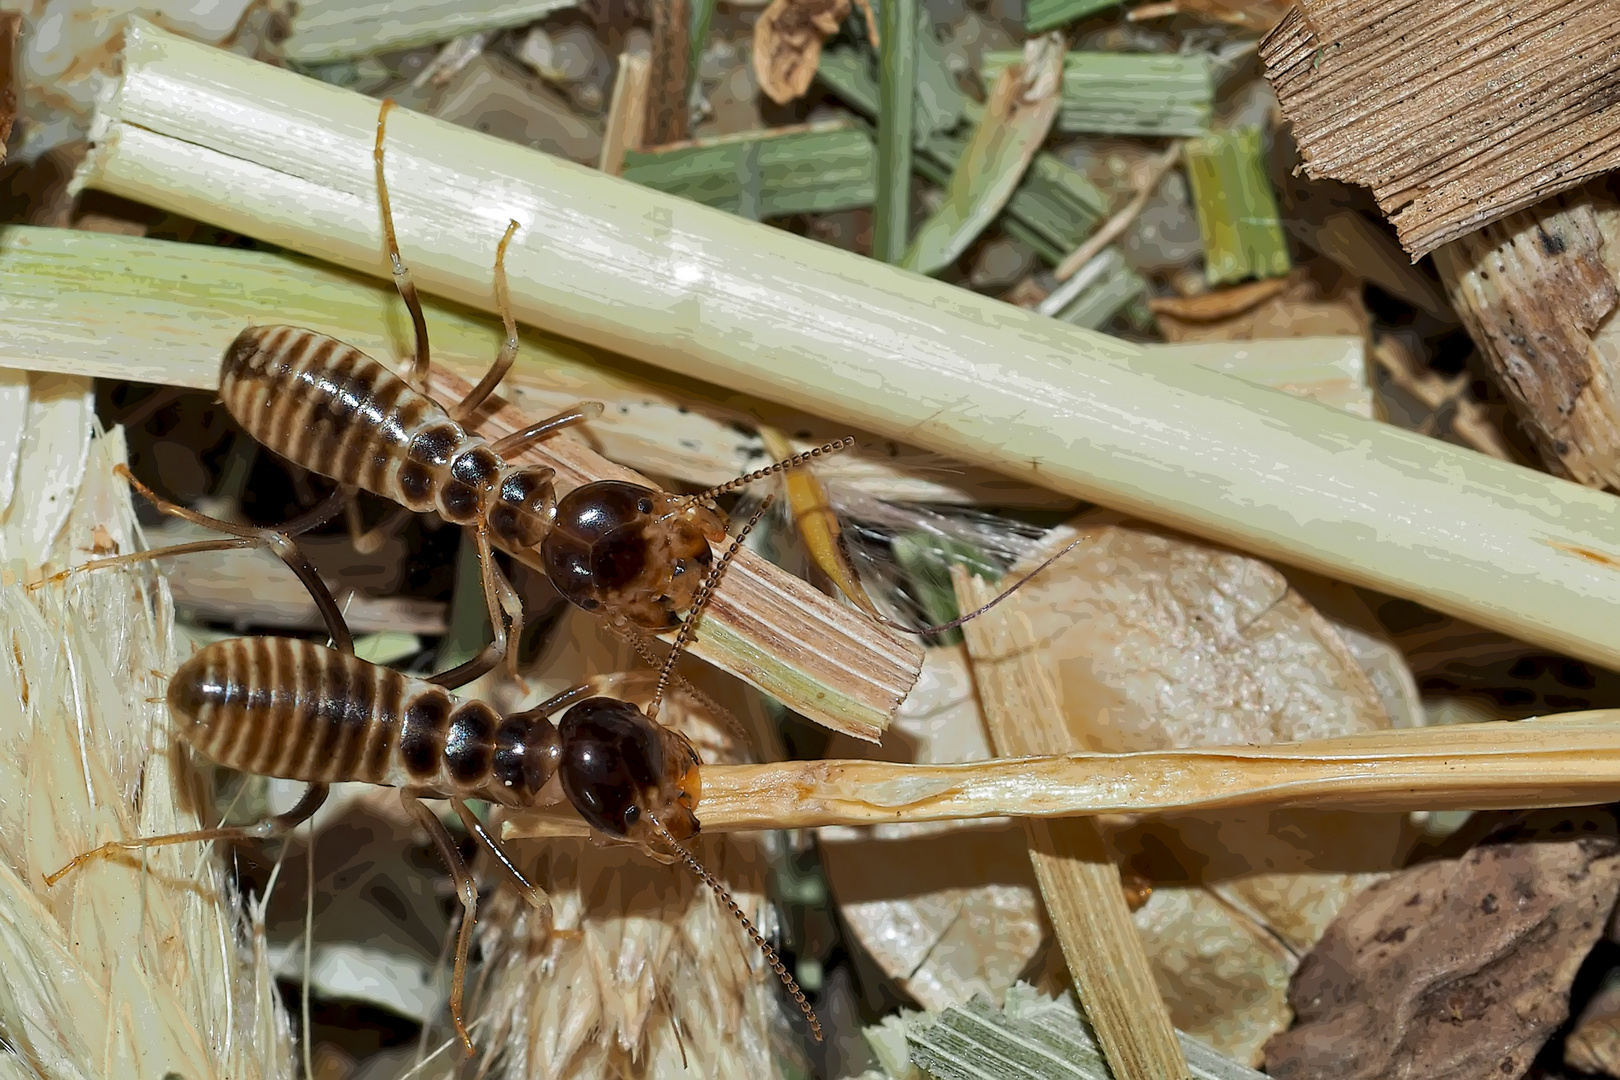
{"points": [[1158, 641], [1594, 1045], [1248, 14], [787, 44], [1456, 968], [1313, 301]]}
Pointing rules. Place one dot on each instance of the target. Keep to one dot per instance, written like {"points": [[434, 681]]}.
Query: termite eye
{"points": [[645, 506]]}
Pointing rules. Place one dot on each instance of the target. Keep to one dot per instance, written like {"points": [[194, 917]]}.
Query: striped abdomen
{"points": [[292, 709], [334, 410]]}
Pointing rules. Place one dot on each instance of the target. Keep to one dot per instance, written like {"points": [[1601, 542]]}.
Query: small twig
{"points": [[1115, 226]]}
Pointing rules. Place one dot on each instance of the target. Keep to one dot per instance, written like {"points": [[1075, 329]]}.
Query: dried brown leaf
{"points": [[1158, 641], [1456, 968], [1248, 14], [1473, 112], [787, 44], [1594, 1045], [1304, 304]]}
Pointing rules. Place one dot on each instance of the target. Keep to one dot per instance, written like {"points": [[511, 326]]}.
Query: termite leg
{"points": [[463, 410], [534, 894], [416, 370], [519, 441], [498, 594], [279, 541], [466, 889], [370, 541], [276, 826]]}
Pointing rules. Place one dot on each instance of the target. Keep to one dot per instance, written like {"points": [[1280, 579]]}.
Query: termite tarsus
{"points": [[630, 553], [292, 709]]}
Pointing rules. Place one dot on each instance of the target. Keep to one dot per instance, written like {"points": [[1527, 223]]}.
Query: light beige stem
{"points": [[1572, 759]]}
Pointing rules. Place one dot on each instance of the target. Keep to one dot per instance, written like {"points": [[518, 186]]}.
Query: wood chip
{"points": [[1533, 290], [1455, 120], [1456, 968]]}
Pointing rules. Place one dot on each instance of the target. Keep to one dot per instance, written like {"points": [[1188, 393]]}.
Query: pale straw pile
{"points": [[120, 970]]}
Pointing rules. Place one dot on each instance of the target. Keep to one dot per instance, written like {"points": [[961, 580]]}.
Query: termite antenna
{"points": [[764, 946], [843, 550], [781, 466], [689, 625]]}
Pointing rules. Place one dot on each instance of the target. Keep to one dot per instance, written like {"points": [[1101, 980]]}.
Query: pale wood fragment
{"points": [[1456, 118], [1533, 289], [627, 112], [1079, 882]]}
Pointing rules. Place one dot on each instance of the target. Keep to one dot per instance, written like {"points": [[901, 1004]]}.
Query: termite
{"points": [[296, 710], [630, 553]]}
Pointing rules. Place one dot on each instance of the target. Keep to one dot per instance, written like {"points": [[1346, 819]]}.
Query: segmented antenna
{"points": [[781, 466], [702, 597], [771, 956], [843, 549]]}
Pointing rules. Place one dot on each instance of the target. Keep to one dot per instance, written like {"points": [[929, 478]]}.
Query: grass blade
{"points": [[1128, 93], [1018, 116], [1237, 210], [897, 91]]}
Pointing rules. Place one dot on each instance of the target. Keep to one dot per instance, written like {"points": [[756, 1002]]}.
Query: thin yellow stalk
{"points": [[1080, 885], [287, 159], [1572, 759]]}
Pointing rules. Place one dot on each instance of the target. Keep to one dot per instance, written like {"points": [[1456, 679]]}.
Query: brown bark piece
{"points": [[1456, 968], [1454, 113], [668, 115], [1532, 289], [10, 23]]}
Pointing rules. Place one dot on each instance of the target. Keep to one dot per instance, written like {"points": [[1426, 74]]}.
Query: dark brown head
{"points": [[622, 771], [523, 510], [630, 553]]}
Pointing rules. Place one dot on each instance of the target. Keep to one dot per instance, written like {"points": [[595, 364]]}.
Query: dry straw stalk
{"points": [[1572, 759], [1080, 885], [676, 285]]}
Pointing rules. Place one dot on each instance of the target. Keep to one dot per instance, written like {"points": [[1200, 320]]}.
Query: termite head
{"points": [[522, 513], [628, 775], [636, 555]]}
